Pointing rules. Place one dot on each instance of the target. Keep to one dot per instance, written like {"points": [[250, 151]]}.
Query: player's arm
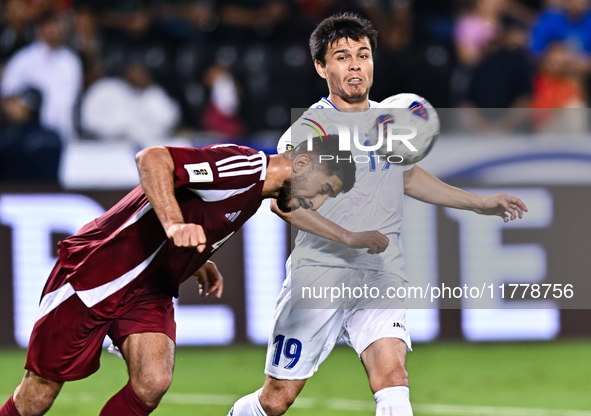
{"points": [[156, 170], [312, 222], [425, 187]]}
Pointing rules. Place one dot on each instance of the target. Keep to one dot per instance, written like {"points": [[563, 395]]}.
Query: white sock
{"points": [[248, 406], [393, 401]]}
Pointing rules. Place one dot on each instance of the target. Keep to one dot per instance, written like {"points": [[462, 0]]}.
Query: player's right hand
{"points": [[187, 235], [285, 216], [374, 241]]}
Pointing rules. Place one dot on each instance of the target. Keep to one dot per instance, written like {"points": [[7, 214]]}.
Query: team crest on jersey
{"points": [[419, 109], [199, 172]]}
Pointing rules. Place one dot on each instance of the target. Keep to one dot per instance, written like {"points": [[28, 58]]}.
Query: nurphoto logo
{"points": [[385, 131]]}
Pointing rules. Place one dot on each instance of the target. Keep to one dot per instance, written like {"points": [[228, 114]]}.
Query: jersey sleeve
{"points": [[217, 167]]}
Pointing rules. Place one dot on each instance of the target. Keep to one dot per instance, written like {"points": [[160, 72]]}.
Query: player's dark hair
{"points": [[341, 164], [341, 26]]}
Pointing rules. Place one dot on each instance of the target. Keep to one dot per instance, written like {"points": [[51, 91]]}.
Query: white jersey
{"points": [[374, 203]]}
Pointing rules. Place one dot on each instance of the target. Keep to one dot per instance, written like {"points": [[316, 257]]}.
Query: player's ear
{"points": [[320, 68], [301, 162]]}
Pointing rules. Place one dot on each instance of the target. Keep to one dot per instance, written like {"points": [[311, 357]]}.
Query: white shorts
{"points": [[302, 339]]}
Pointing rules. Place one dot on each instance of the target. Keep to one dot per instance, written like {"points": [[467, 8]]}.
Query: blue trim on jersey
{"points": [[328, 101]]}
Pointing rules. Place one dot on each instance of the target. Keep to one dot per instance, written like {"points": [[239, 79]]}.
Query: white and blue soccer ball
{"points": [[412, 124]]}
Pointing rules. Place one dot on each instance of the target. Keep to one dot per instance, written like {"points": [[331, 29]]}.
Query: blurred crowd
{"points": [[142, 71]]}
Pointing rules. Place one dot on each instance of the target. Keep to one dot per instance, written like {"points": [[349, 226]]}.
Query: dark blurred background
{"points": [[236, 67]]}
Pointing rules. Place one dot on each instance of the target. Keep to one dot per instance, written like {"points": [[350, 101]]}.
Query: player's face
{"points": [[310, 189], [348, 70]]}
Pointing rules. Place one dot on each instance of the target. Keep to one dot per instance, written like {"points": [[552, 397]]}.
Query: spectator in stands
{"points": [[132, 108], [132, 33], [561, 41], [475, 34], [15, 29], [475, 29], [85, 40], [559, 91], [222, 112], [53, 69], [28, 151], [567, 21], [250, 14], [504, 77], [393, 20], [244, 20], [503, 80]]}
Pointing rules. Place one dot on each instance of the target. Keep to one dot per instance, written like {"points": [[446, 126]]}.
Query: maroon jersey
{"points": [[125, 252]]}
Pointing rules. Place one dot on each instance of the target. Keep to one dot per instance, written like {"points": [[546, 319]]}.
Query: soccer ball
{"points": [[406, 128]]}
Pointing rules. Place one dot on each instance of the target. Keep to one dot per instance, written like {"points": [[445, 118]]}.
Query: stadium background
{"points": [[231, 71]]}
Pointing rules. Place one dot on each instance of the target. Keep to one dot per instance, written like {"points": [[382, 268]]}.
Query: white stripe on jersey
{"points": [[223, 145], [137, 216], [264, 171], [262, 168], [53, 299], [240, 165], [233, 158], [93, 296], [240, 172], [214, 195]]}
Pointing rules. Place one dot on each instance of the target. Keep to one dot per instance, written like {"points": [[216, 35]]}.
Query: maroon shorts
{"points": [[66, 343]]}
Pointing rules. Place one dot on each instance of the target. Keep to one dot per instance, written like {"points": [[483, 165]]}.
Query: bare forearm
{"points": [[156, 170], [425, 187], [312, 222]]}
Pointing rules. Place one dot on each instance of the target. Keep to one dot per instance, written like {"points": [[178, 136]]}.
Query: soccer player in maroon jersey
{"points": [[118, 274]]}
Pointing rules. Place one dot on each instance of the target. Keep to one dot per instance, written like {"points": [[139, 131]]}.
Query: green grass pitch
{"points": [[517, 379]]}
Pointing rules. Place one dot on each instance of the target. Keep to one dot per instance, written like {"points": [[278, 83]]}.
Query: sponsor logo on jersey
{"points": [[199, 172], [419, 109], [399, 325], [231, 216]]}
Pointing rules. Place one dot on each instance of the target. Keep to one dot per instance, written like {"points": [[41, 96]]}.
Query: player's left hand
{"points": [[505, 206], [210, 280]]}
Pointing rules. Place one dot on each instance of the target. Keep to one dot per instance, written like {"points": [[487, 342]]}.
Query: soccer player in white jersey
{"points": [[333, 245]]}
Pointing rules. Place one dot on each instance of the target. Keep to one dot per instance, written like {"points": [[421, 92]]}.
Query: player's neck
{"points": [[278, 171], [343, 105]]}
